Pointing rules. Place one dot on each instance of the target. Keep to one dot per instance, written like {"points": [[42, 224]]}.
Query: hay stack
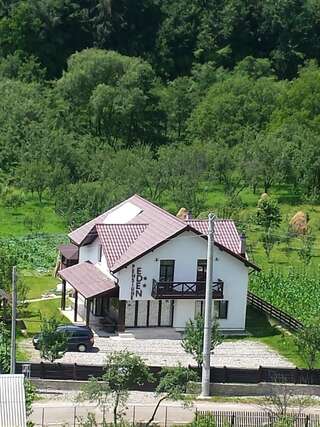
{"points": [[183, 214], [264, 196], [299, 223]]}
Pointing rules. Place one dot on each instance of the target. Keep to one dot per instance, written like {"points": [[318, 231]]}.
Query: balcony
{"points": [[185, 290]]}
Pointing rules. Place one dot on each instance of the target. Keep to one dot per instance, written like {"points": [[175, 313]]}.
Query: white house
{"points": [[137, 265]]}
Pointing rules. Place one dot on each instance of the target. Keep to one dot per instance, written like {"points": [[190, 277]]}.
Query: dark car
{"points": [[80, 338]]}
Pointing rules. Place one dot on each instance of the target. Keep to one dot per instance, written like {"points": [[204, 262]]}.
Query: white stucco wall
{"points": [[186, 249], [89, 252]]}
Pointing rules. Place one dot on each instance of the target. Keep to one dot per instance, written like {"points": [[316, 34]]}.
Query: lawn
{"points": [[38, 283], [44, 309], [268, 332], [12, 220]]}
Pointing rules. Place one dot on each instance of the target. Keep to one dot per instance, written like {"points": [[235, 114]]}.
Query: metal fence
{"points": [[74, 416], [63, 371], [256, 419]]}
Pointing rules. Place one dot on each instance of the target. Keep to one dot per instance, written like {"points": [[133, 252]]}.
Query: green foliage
{"points": [[35, 221], [192, 341], [13, 198], [123, 370], [4, 349], [30, 395], [308, 343], [33, 252], [206, 420], [268, 213], [307, 244], [296, 292], [53, 343], [173, 385]]}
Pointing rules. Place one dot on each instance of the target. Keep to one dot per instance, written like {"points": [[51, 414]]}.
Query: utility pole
{"points": [[13, 321], [205, 389]]}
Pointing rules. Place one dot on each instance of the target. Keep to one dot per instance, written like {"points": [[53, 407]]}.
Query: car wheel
{"points": [[82, 348]]}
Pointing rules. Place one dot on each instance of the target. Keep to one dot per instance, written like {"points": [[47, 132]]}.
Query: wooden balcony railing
{"points": [[185, 290]]}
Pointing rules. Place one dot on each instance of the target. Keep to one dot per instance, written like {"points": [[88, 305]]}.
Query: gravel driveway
{"points": [[168, 352]]}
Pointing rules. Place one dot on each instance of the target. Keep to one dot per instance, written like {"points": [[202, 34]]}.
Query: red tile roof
{"points": [[117, 238], [69, 251], [88, 280], [151, 227], [225, 232]]}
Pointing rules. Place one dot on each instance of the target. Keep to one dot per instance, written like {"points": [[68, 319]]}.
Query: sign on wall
{"points": [[138, 282]]}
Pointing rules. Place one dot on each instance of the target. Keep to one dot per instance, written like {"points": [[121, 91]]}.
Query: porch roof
{"points": [[88, 280], [70, 251]]}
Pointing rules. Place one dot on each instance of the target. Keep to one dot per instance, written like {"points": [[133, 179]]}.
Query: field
{"points": [[285, 281]]}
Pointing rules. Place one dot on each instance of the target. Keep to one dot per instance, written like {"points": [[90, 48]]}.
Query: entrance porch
{"points": [[95, 296]]}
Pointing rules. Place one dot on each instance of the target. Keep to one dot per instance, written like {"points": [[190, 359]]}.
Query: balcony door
{"points": [[166, 270], [201, 270]]}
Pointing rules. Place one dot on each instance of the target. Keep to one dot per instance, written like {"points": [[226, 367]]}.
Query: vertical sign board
{"points": [[138, 282]]}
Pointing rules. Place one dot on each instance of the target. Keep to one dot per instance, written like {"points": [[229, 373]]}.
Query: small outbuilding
{"points": [[12, 401]]}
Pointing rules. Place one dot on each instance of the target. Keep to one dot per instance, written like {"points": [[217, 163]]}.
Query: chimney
{"points": [[243, 246], [189, 215]]}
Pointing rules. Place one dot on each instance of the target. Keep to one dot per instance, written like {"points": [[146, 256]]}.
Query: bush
{"points": [[206, 420], [13, 198]]}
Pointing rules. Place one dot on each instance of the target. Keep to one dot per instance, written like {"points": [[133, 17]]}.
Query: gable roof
{"points": [[117, 238], [148, 227]]}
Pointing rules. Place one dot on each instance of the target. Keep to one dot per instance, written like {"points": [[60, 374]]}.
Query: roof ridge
{"points": [[124, 224], [159, 208]]}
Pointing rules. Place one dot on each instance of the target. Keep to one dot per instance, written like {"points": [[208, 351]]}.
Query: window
{"points": [[201, 270], [222, 309], [199, 309], [166, 270], [100, 253]]}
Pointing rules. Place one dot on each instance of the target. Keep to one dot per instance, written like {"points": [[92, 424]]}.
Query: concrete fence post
{"points": [[165, 416], [133, 415], [42, 418]]}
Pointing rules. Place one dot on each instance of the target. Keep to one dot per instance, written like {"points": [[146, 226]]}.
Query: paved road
{"points": [[168, 352]]}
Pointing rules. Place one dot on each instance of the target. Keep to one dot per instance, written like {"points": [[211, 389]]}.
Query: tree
{"points": [[34, 176], [4, 349], [268, 216], [122, 370], [192, 341], [52, 342], [173, 385], [308, 343], [307, 244]]}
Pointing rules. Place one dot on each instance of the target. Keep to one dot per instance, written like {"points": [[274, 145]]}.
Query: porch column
{"points": [[88, 312], [122, 316], [63, 295], [75, 312]]}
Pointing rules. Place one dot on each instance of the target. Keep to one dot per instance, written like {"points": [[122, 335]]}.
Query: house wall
{"points": [[186, 249], [90, 252]]}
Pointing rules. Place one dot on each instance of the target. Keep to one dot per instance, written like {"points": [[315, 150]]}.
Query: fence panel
{"points": [[274, 312]]}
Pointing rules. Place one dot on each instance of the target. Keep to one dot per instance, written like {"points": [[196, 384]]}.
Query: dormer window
{"points": [[100, 253]]}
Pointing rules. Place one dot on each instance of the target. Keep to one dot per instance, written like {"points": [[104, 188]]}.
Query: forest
{"points": [[204, 104]]}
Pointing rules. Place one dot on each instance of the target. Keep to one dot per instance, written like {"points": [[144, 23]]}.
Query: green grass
{"points": [[38, 283], [12, 219], [268, 332], [290, 203], [44, 309]]}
